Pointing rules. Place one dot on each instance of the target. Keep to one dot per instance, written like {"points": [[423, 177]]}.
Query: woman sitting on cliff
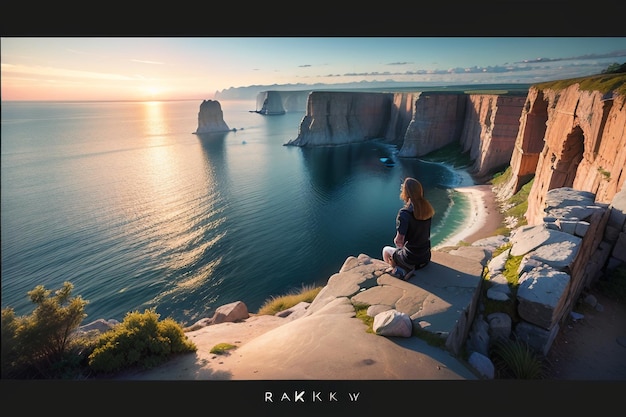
{"points": [[412, 250]]}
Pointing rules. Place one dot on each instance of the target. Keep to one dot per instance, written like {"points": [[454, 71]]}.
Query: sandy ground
{"points": [[485, 219]]}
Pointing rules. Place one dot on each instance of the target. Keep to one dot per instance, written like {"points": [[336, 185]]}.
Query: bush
{"points": [[222, 348], [515, 359], [36, 345], [140, 340]]}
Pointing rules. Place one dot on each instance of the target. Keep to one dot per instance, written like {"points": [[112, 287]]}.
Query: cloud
{"points": [[614, 54], [575, 66], [61, 72]]}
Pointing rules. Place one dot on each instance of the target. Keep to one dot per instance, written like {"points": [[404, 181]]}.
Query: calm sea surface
{"points": [[122, 200]]}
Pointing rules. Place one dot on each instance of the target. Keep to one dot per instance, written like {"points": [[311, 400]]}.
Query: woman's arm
{"points": [[399, 240]]}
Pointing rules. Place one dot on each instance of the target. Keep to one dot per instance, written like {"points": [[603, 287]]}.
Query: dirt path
{"points": [[592, 347]]}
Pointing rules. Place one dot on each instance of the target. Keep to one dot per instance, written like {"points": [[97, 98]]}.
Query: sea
{"points": [[124, 201]]}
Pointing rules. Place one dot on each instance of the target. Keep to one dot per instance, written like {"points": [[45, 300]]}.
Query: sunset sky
{"points": [[153, 68]]}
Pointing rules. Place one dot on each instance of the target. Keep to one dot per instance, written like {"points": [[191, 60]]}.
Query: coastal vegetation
{"points": [[141, 340], [276, 304], [361, 314], [613, 78], [516, 359], [515, 207], [46, 344], [222, 348], [40, 345], [451, 155]]}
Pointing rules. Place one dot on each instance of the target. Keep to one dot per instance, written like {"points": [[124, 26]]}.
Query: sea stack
{"points": [[211, 118]]}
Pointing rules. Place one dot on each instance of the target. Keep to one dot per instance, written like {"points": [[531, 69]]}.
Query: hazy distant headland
{"points": [[251, 92]]}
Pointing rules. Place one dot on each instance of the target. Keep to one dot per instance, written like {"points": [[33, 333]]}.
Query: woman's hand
{"points": [[399, 240]]}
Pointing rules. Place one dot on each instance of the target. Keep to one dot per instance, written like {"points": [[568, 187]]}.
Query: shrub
{"points": [[140, 340], [516, 359], [36, 345], [222, 348]]}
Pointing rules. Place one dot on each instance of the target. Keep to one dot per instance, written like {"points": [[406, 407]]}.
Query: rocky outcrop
{"points": [[338, 118], [441, 300], [569, 138], [211, 118], [559, 259]]}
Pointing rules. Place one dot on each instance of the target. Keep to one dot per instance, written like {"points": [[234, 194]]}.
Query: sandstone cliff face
{"points": [[490, 130], [581, 144], [402, 108], [336, 118], [437, 121], [417, 122], [211, 118]]}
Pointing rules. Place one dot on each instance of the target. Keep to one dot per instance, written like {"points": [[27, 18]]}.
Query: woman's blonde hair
{"points": [[412, 190]]}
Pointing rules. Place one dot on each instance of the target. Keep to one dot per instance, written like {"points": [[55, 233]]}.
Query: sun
{"points": [[152, 92]]}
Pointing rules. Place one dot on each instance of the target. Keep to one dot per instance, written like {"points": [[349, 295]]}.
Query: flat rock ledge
{"points": [[439, 299]]}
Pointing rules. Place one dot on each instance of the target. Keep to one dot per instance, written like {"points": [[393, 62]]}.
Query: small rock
{"points": [[576, 316]]}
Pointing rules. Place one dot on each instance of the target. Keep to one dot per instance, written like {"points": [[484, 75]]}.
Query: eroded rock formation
{"points": [[569, 138], [211, 118]]}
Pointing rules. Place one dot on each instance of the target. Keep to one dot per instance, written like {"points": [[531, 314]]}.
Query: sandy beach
{"points": [[484, 218]]}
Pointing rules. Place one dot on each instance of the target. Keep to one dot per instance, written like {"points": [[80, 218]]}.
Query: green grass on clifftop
{"points": [[603, 83]]}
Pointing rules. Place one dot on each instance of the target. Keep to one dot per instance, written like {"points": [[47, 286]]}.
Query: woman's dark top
{"points": [[416, 249]]}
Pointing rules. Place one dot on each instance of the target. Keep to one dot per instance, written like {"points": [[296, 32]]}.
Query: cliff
{"points": [[337, 118], [417, 122], [570, 138], [274, 102], [490, 129], [211, 118], [437, 120], [565, 134], [271, 103]]}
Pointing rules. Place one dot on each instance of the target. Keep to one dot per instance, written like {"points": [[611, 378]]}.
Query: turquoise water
{"points": [[136, 211]]}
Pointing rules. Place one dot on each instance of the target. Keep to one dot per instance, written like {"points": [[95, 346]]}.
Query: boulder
{"points": [[541, 296], [232, 312], [393, 323], [482, 364]]}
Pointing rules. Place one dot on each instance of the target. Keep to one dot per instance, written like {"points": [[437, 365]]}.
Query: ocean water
{"points": [[122, 200]]}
